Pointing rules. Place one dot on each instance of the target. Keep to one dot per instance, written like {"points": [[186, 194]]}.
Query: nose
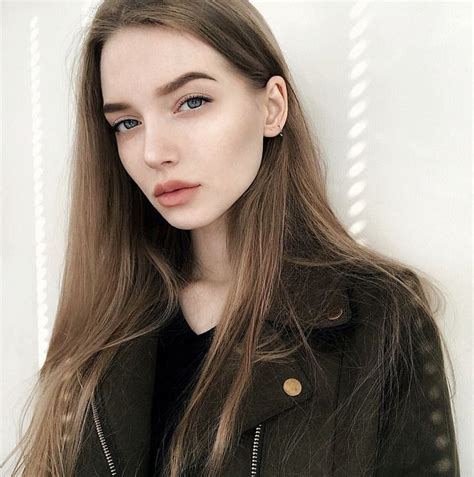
{"points": [[158, 147]]}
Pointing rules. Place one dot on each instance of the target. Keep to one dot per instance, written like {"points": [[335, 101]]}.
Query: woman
{"points": [[235, 316]]}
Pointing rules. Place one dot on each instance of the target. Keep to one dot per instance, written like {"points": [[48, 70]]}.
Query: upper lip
{"points": [[169, 186]]}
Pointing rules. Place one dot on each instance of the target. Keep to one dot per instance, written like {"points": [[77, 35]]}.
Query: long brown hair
{"points": [[125, 264]]}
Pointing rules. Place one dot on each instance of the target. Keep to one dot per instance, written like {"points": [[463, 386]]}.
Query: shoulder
{"points": [[386, 329], [392, 350], [359, 311], [380, 299]]}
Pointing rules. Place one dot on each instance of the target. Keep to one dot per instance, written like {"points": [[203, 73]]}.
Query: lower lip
{"points": [[176, 197]]}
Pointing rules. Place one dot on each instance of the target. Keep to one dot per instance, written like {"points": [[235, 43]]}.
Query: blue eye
{"points": [[185, 100], [115, 126], [195, 97]]}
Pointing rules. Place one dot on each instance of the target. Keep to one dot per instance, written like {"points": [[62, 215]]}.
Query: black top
{"points": [[180, 353]]}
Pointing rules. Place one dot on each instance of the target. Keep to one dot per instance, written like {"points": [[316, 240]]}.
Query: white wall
{"points": [[388, 88]]}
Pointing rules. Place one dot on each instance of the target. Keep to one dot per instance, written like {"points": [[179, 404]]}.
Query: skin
{"points": [[217, 143]]}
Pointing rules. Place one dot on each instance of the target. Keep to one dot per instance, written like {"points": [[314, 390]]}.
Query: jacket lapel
{"points": [[126, 392], [125, 398], [267, 396]]}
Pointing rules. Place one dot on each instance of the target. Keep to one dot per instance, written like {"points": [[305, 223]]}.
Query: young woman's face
{"points": [[216, 142]]}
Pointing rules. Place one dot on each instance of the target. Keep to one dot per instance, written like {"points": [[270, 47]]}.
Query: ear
{"points": [[276, 104]]}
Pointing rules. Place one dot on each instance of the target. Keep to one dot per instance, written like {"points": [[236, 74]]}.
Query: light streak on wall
{"points": [[43, 332], [357, 117]]}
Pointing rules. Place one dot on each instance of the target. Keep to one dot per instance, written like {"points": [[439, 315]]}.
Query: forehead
{"points": [[133, 54]]}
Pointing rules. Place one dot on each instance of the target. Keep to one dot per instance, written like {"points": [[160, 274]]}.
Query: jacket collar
{"points": [[126, 392]]}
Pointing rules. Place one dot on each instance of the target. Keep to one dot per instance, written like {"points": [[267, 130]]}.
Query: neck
{"points": [[210, 250]]}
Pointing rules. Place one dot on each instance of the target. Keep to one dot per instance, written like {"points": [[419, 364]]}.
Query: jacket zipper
{"points": [[255, 471], [103, 443]]}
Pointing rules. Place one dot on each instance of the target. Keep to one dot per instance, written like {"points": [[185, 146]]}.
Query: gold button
{"points": [[292, 387], [335, 317]]}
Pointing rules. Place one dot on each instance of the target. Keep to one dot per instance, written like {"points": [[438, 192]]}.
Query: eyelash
{"points": [[186, 99]]}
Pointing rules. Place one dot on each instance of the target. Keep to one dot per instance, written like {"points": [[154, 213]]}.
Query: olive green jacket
{"points": [[284, 402]]}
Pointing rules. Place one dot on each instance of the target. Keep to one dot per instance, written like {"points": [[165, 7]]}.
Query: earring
{"points": [[281, 134]]}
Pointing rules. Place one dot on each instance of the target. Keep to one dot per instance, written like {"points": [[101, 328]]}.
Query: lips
{"points": [[170, 186], [177, 197]]}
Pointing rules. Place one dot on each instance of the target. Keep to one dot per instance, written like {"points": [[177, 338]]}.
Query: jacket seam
{"points": [[339, 374], [381, 412]]}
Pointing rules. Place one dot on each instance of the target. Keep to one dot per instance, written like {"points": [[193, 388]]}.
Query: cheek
{"points": [[127, 166], [235, 142], [132, 171], [245, 154], [128, 153], [238, 166]]}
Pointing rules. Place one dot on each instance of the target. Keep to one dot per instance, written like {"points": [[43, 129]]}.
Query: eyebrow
{"points": [[164, 90]]}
